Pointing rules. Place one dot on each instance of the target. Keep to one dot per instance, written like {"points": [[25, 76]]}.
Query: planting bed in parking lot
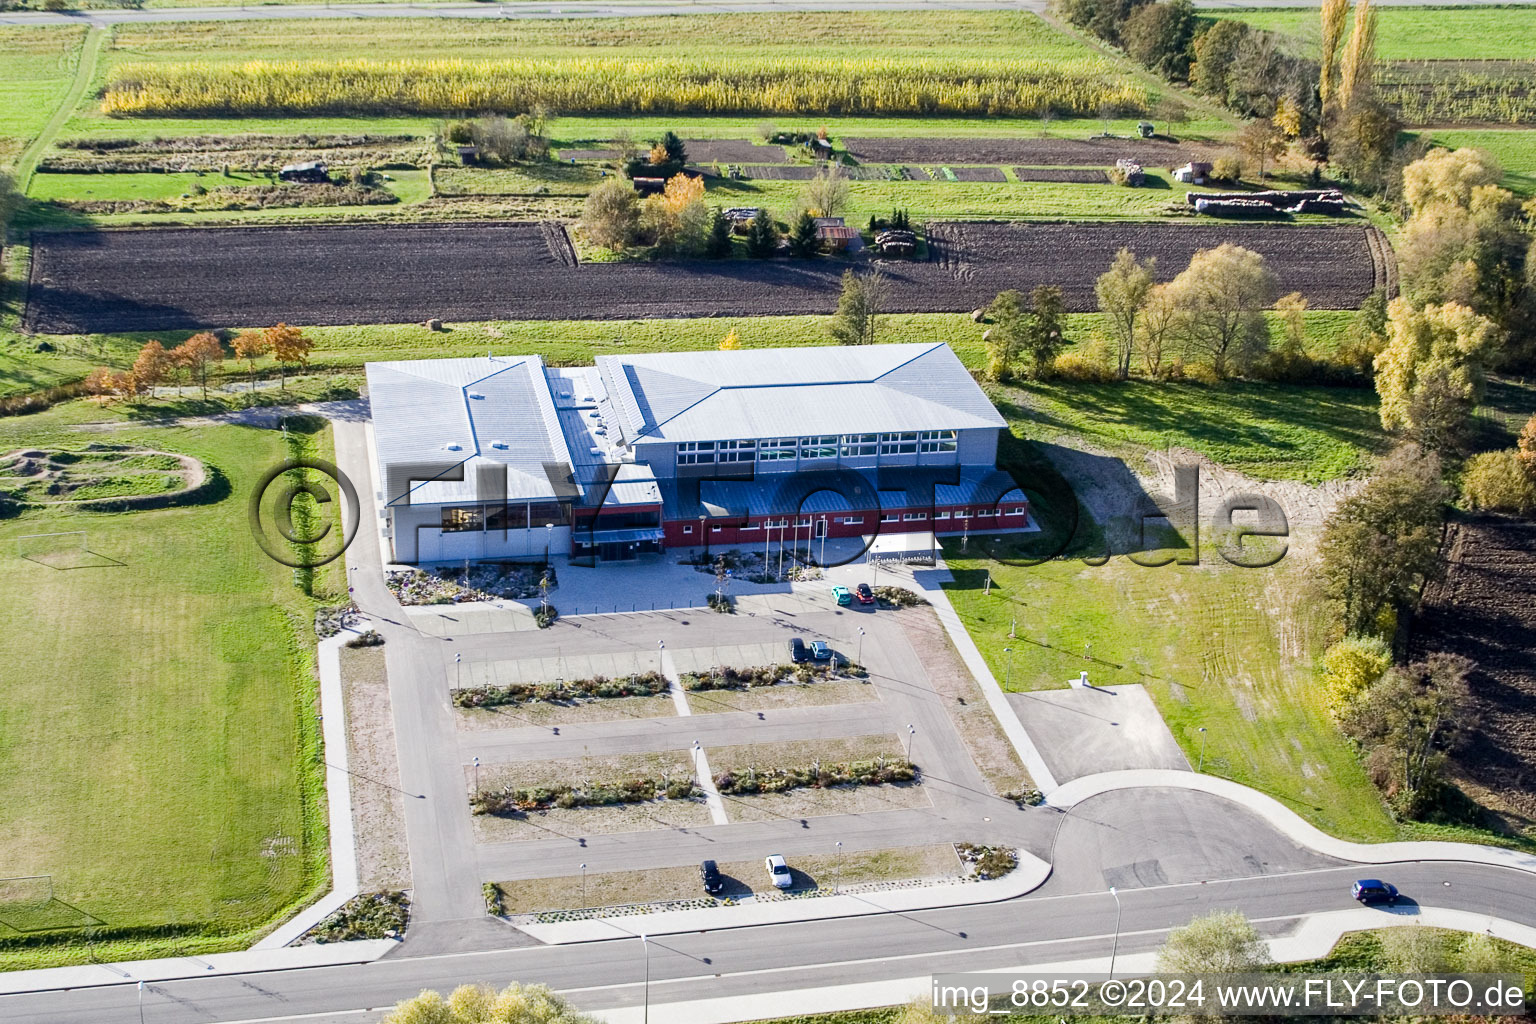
{"points": [[156, 280]]}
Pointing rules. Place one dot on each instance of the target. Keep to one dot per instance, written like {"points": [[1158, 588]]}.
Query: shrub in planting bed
{"points": [[726, 677], [513, 802], [987, 861], [898, 597], [817, 775], [375, 915], [644, 684]]}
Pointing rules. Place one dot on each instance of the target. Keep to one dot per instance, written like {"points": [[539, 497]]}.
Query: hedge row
{"points": [[815, 776], [512, 802], [645, 684]]}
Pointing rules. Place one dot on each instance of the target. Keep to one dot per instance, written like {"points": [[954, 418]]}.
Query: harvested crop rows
{"points": [[178, 278], [1071, 175], [1482, 610], [1040, 152]]}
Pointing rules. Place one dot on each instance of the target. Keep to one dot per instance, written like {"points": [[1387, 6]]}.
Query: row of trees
{"points": [[198, 358]]}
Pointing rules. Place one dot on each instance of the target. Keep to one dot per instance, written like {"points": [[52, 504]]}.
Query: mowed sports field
{"points": [[149, 280], [157, 729]]}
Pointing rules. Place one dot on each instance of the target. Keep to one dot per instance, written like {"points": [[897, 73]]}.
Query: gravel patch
{"points": [[783, 695], [585, 821], [378, 806]]}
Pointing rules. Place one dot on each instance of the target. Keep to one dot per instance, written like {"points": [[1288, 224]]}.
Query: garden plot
{"points": [[703, 151], [85, 282], [217, 153], [974, 173], [1037, 152], [1073, 175]]}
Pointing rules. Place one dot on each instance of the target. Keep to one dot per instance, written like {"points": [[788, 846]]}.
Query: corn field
{"points": [[981, 86], [1448, 91]]}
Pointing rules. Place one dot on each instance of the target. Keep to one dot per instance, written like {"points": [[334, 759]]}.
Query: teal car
{"points": [[842, 593]]}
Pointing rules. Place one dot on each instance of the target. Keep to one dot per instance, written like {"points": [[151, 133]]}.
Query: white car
{"points": [[779, 872]]}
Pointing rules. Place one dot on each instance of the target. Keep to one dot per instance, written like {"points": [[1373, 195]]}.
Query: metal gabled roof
{"points": [[705, 396]]}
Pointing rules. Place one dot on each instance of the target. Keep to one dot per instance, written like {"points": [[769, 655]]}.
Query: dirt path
{"points": [[85, 70]]}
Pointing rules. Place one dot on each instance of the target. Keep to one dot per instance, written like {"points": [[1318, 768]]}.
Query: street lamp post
{"points": [[1008, 670], [1202, 750], [911, 731], [549, 539], [583, 884], [141, 1002], [1115, 948], [837, 879], [661, 648], [477, 775], [861, 647], [823, 542], [703, 537], [646, 1013]]}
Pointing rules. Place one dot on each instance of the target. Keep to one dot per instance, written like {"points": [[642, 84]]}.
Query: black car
{"points": [[798, 652], [1372, 890], [709, 874]]}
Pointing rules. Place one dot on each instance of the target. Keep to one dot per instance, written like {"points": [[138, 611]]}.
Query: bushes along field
{"points": [[774, 85]]}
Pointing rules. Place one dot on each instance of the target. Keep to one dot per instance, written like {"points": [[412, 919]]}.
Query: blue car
{"points": [[1373, 890]]}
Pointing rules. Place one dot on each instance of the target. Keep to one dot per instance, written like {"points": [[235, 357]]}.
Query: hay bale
{"points": [[978, 315]]}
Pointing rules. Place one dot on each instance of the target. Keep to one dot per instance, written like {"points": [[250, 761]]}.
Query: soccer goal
{"points": [[68, 550], [28, 904]]}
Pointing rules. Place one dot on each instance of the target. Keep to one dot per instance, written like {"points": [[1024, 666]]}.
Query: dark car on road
{"points": [[798, 652], [864, 594], [1373, 890], [709, 874]]}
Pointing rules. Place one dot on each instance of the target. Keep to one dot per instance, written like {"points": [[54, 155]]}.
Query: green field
{"points": [[1515, 148], [157, 727], [1419, 33], [36, 68]]}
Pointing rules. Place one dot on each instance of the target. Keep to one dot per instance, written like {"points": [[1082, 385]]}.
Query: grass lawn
{"points": [[1515, 148], [1419, 33], [147, 185], [39, 65], [1268, 431], [1228, 649], [157, 720]]}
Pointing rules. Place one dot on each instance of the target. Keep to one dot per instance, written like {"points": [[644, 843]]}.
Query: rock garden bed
{"points": [[480, 581], [376, 915]]}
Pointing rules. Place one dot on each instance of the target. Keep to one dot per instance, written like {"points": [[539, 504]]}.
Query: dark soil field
{"points": [[706, 151], [142, 280], [978, 174], [1485, 609], [1073, 175], [1040, 152]]}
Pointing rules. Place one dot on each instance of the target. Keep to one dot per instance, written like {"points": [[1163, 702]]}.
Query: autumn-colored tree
{"points": [[730, 343], [1260, 142], [1335, 13], [1122, 291], [1526, 447], [250, 346], [289, 347], [151, 366], [1448, 176], [1357, 73], [681, 191], [1221, 297], [199, 354], [1444, 347], [98, 382]]}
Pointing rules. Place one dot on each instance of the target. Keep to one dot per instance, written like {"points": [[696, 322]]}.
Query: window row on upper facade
{"points": [[824, 446]]}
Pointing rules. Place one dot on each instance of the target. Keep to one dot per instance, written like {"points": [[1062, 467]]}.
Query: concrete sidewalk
{"points": [[128, 972]]}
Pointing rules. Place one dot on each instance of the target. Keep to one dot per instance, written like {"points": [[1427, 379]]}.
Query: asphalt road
{"points": [[763, 960], [590, 9]]}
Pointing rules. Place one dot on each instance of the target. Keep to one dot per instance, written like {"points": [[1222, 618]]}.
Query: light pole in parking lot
{"points": [[823, 542], [583, 884], [661, 653], [645, 1017], [477, 775], [911, 731], [861, 647], [1115, 948], [837, 879], [549, 539]]}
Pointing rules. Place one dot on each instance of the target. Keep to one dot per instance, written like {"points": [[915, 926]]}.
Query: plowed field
{"points": [[1484, 609], [164, 279]]}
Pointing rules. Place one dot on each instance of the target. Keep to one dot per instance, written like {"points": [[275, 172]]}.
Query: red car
{"points": [[864, 594]]}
